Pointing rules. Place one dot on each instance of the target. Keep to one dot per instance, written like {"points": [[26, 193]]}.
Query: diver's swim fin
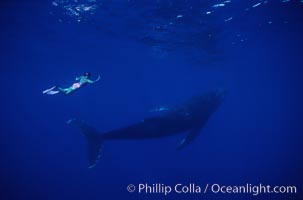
{"points": [[48, 90], [190, 137], [51, 91], [94, 140]]}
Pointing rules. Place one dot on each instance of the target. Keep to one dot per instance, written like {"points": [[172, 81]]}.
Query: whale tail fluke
{"points": [[93, 138]]}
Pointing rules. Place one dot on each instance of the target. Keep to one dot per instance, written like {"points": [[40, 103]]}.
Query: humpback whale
{"points": [[189, 117]]}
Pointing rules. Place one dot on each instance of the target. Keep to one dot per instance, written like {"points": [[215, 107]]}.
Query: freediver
{"points": [[81, 81]]}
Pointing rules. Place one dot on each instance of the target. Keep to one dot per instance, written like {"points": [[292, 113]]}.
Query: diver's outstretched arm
{"points": [[90, 81], [99, 77]]}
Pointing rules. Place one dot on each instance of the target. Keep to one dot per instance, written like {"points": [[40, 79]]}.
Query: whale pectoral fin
{"points": [[189, 138]]}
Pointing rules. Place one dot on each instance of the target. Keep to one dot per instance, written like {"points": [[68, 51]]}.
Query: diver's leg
{"points": [[65, 90]]}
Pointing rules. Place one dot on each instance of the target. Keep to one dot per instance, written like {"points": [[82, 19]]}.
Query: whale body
{"points": [[189, 117]]}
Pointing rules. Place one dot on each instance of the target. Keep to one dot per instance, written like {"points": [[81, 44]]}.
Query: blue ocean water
{"points": [[150, 53]]}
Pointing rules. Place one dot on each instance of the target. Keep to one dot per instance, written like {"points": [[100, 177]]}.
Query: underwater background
{"points": [[150, 53]]}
